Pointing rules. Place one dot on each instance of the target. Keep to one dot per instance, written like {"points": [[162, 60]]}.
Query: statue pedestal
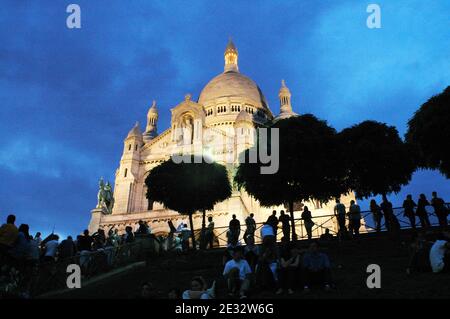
{"points": [[95, 219]]}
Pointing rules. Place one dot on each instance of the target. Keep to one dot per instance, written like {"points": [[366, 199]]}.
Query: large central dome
{"points": [[232, 85], [233, 88]]}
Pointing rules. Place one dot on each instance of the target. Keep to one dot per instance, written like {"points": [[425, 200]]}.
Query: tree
{"points": [[309, 166], [189, 187], [429, 132], [377, 160]]}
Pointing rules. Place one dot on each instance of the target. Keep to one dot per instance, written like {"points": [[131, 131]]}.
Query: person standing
{"points": [[210, 233], [38, 238], [250, 227], [51, 247], [354, 216], [408, 206], [273, 221], [339, 212], [285, 226], [84, 242], [307, 219], [440, 210], [376, 215], [422, 211], [22, 249], [235, 229], [8, 234], [185, 236], [391, 220]]}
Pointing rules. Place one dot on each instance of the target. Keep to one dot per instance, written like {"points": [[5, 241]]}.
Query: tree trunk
{"points": [[291, 211], [203, 231], [204, 220], [192, 232]]}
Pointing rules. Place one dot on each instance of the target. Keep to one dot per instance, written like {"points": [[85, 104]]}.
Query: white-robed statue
{"points": [[187, 131]]}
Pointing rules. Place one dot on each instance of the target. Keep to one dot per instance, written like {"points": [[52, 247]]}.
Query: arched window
{"points": [[129, 147], [126, 172]]}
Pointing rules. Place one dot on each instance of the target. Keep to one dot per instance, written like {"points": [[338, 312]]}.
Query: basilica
{"points": [[221, 123]]}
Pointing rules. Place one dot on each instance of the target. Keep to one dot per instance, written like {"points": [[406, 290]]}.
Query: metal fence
{"points": [[323, 222]]}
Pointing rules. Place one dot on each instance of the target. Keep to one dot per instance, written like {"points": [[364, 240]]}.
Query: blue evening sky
{"points": [[68, 97]]}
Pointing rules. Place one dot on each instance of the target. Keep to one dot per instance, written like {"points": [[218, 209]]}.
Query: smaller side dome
{"points": [[244, 118], [135, 132]]}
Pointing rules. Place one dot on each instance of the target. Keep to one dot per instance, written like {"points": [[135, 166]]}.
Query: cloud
{"points": [[363, 73], [48, 159]]}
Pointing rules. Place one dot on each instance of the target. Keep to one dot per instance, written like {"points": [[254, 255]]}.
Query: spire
{"points": [[152, 118], [285, 101], [153, 108], [231, 57]]}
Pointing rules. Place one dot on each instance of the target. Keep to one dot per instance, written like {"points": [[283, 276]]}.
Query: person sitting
{"points": [[419, 254], [147, 291], [289, 270], [317, 269], [128, 237], [143, 228], [228, 254], [173, 293], [266, 269], [199, 289], [327, 236], [251, 252], [67, 248], [237, 274], [440, 255]]}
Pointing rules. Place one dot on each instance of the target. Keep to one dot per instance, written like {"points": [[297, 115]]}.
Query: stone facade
{"points": [[220, 124]]}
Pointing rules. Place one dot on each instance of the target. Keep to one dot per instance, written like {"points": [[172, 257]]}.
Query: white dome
{"points": [[232, 85]]}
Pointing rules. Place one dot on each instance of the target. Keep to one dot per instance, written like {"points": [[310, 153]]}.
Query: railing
{"points": [[321, 223]]}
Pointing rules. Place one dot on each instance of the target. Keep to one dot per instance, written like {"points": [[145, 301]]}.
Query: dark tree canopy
{"points": [[308, 164], [429, 132], [188, 187], [377, 159]]}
